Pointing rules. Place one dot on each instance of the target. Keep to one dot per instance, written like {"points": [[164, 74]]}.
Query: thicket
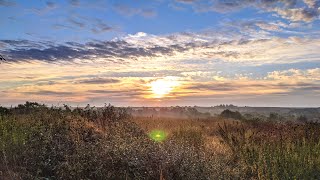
{"points": [[38, 142]]}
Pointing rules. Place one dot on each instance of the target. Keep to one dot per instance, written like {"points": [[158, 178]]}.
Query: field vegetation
{"points": [[40, 142]]}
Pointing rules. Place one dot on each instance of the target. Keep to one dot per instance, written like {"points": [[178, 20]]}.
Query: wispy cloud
{"points": [[289, 9], [93, 25], [74, 2], [49, 6], [98, 81], [101, 27], [77, 23], [179, 46], [49, 93], [131, 11], [7, 3], [252, 25]]}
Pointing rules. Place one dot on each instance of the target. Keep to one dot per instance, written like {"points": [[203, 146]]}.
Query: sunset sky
{"points": [[160, 52]]}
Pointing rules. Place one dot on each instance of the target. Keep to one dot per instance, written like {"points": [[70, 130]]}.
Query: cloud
{"points": [[285, 82], [58, 26], [288, 9], [103, 91], [296, 74], [7, 3], [312, 3], [123, 94], [92, 82], [258, 28], [77, 23], [24, 44], [131, 11], [114, 50], [74, 2], [49, 6], [49, 54], [311, 88], [131, 91], [174, 47], [213, 87], [299, 14], [292, 84], [94, 25], [49, 93], [101, 27], [98, 81]]}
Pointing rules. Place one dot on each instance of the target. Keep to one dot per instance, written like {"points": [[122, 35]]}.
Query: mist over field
{"points": [[161, 89]]}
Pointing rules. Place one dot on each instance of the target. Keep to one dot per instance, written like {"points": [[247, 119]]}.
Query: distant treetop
{"points": [[226, 105]]}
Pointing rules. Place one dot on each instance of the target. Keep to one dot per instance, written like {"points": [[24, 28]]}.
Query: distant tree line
{"points": [[275, 117], [107, 113], [226, 106]]}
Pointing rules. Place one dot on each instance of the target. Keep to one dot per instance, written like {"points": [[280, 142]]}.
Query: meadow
{"points": [[40, 142]]}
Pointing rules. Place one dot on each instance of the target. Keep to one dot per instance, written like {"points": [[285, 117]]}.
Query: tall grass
{"points": [[275, 151]]}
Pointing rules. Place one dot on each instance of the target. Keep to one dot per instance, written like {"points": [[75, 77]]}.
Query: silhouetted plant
{"points": [[230, 114]]}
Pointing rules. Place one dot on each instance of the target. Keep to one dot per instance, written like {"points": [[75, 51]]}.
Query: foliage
{"points": [[38, 142], [275, 151], [230, 114]]}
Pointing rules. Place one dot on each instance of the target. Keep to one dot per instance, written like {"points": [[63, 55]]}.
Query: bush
{"points": [[230, 114], [40, 142], [55, 143]]}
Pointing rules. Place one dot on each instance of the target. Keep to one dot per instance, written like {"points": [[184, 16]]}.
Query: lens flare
{"points": [[158, 135]]}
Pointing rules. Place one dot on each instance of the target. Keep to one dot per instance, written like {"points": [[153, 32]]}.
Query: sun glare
{"points": [[162, 87]]}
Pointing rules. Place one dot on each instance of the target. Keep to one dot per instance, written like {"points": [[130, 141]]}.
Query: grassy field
{"points": [[38, 142]]}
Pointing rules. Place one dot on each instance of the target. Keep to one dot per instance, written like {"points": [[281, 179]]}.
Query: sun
{"points": [[162, 87]]}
